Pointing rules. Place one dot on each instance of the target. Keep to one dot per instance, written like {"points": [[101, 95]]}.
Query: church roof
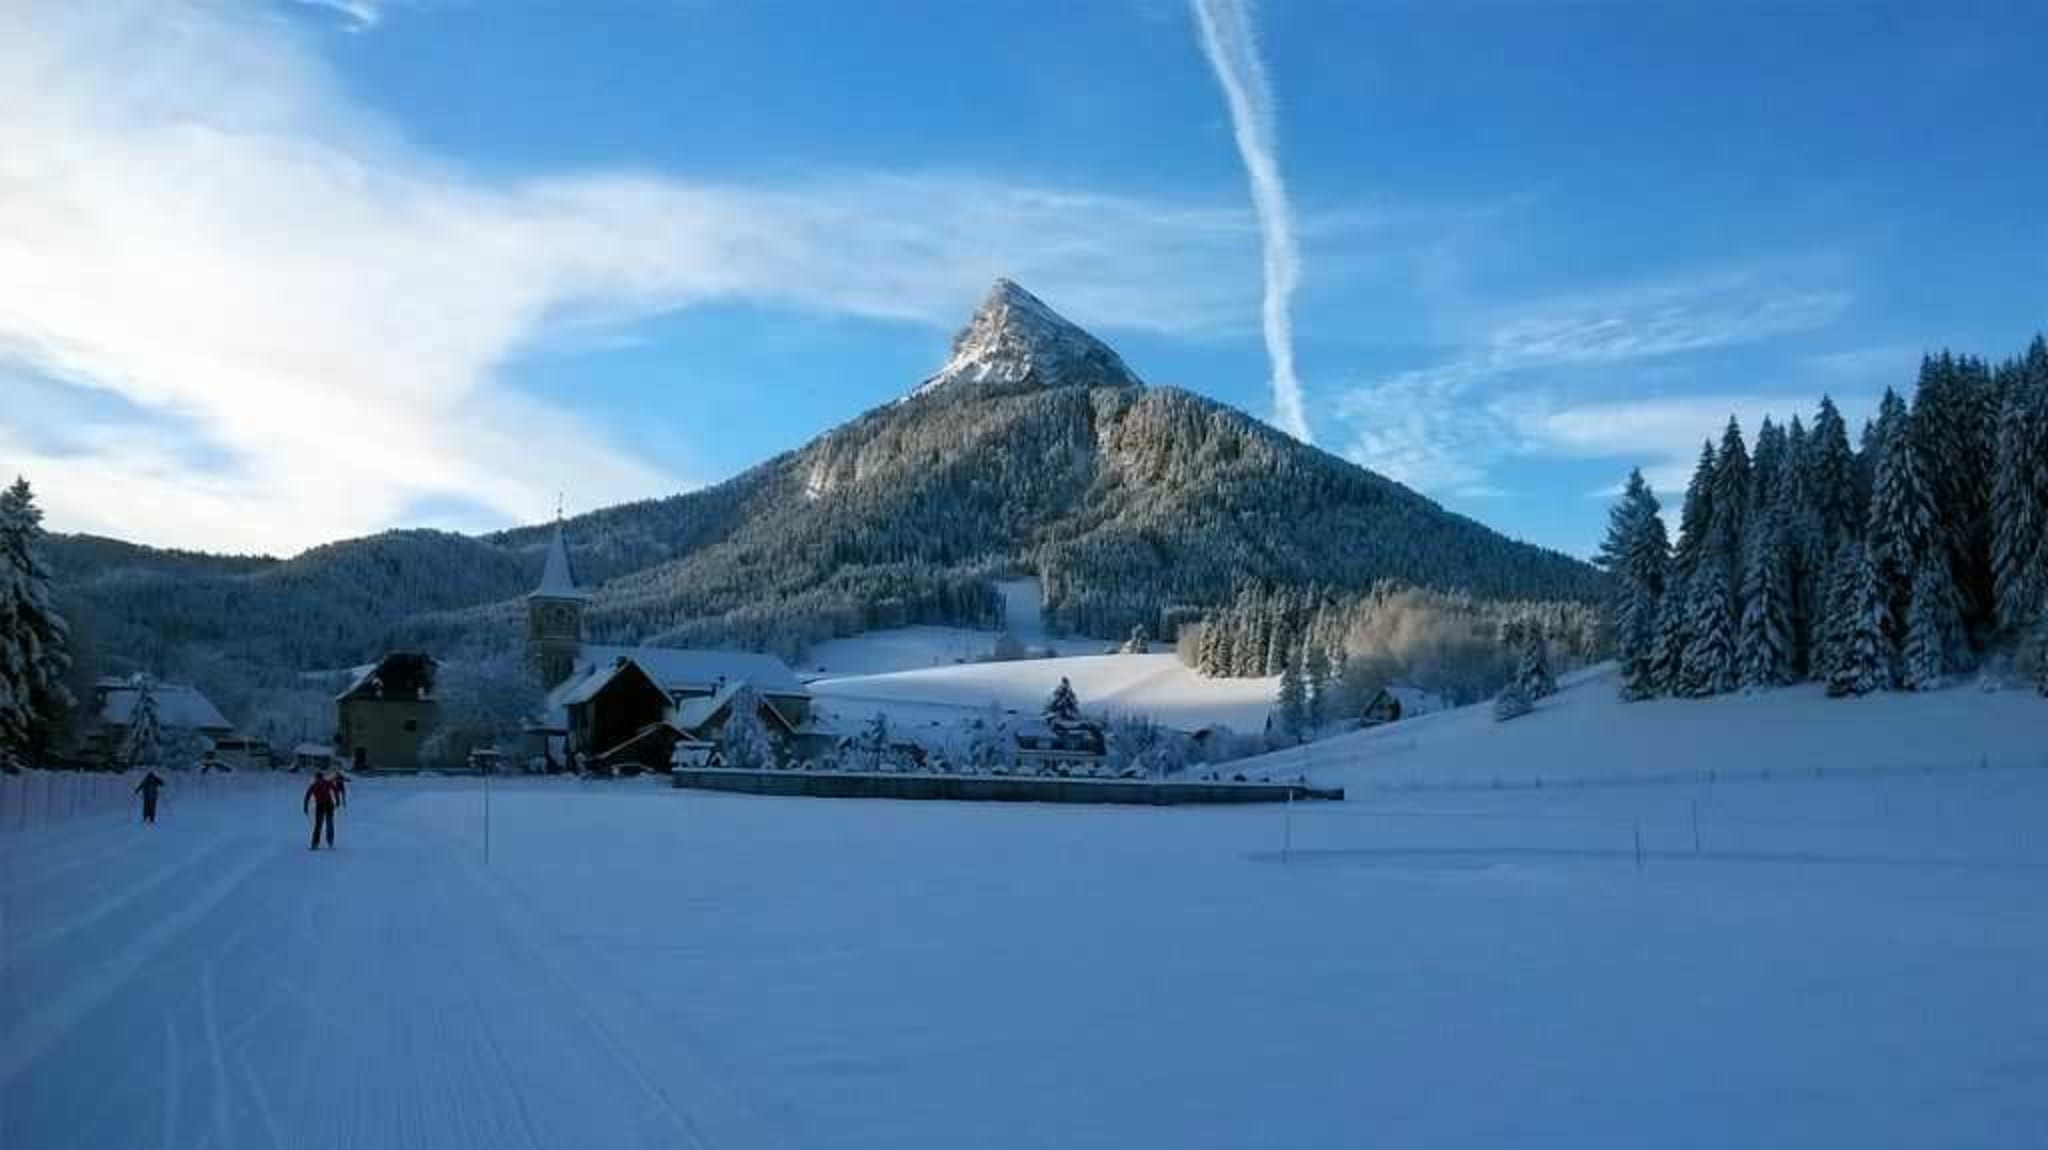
{"points": [[557, 578]]}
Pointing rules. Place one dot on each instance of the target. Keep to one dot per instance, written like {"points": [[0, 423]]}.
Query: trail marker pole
{"points": [[1287, 829], [1639, 844], [1695, 826], [487, 818]]}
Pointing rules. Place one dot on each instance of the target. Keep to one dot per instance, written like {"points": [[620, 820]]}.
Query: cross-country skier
{"points": [[148, 788], [321, 797]]}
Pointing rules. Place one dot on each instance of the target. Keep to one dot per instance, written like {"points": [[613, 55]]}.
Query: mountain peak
{"points": [[1015, 339]]}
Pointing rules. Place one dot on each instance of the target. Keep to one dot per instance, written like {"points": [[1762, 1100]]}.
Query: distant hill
{"points": [[1034, 449]]}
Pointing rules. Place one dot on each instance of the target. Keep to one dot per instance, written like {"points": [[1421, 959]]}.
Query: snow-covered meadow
{"points": [[1847, 960]]}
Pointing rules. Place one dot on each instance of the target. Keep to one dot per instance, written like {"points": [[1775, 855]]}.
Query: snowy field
{"points": [[1158, 686], [1585, 732], [1852, 961], [916, 648]]}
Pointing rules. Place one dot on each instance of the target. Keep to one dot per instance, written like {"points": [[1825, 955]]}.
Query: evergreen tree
{"points": [[1293, 717], [1637, 554], [1901, 529], [1863, 663], [143, 744], [34, 639], [1709, 664], [1673, 637], [1512, 703], [1804, 541], [1318, 681], [875, 749], [1140, 642], [1728, 523], [1063, 707], [2019, 492], [1932, 624], [1766, 467], [1695, 518], [1831, 477], [744, 741], [1532, 670], [1764, 650]]}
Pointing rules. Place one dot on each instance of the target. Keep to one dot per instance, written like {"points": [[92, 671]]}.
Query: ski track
{"points": [[388, 993]]}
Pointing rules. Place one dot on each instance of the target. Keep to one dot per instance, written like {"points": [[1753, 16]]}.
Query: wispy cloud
{"points": [[1442, 428], [330, 308], [357, 15], [1233, 51]]}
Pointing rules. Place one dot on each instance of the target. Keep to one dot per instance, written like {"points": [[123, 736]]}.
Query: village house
{"points": [[1066, 746], [613, 708], [386, 713], [182, 712], [1390, 704]]}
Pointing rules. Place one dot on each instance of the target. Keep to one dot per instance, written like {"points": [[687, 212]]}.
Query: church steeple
{"points": [[554, 613]]}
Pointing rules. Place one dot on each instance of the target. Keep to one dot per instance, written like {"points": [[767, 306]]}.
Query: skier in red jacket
{"points": [[321, 797]]}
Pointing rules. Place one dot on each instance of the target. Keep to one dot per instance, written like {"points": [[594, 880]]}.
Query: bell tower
{"points": [[554, 615]]}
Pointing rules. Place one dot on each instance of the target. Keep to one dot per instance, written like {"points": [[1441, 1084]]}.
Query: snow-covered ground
{"points": [[1853, 960], [920, 647], [1157, 685], [1585, 732]]}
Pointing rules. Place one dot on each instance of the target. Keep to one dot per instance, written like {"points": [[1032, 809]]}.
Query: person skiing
{"points": [[148, 788], [320, 800]]}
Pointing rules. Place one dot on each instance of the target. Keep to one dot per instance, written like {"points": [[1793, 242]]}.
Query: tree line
{"points": [[1898, 564]]}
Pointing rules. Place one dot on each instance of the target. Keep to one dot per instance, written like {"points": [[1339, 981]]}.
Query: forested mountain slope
{"points": [[1034, 449]]}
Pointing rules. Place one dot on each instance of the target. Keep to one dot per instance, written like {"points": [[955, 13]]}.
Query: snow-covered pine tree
{"points": [[1140, 642], [1512, 703], [1954, 421], [1672, 638], [1864, 662], [875, 748], [1695, 518], [1729, 520], [1766, 465], [34, 638], [143, 744], [744, 742], [1764, 649], [1831, 477], [1293, 710], [1637, 554], [1709, 665], [1064, 706], [1532, 668], [1901, 527], [1315, 666], [1805, 550], [2019, 492], [1932, 625]]}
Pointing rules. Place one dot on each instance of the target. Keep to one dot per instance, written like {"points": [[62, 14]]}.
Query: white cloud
{"points": [[1233, 51], [1443, 428], [194, 217]]}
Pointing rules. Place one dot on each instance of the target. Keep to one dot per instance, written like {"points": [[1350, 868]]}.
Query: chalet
{"points": [[387, 712], [180, 710], [1390, 704], [1060, 746], [634, 706]]}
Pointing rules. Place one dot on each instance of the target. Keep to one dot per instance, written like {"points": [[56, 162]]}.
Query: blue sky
{"points": [[295, 271]]}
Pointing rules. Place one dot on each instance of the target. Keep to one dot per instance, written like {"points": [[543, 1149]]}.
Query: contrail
{"points": [[1233, 51]]}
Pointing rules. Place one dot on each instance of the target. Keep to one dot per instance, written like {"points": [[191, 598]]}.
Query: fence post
{"points": [[1695, 826], [1639, 844]]}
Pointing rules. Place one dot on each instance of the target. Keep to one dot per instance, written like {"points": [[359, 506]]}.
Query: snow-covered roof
{"points": [[673, 669], [678, 668], [177, 706], [557, 578], [1414, 700]]}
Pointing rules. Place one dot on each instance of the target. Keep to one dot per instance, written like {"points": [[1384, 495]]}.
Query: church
{"points": [[614, 709]]}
